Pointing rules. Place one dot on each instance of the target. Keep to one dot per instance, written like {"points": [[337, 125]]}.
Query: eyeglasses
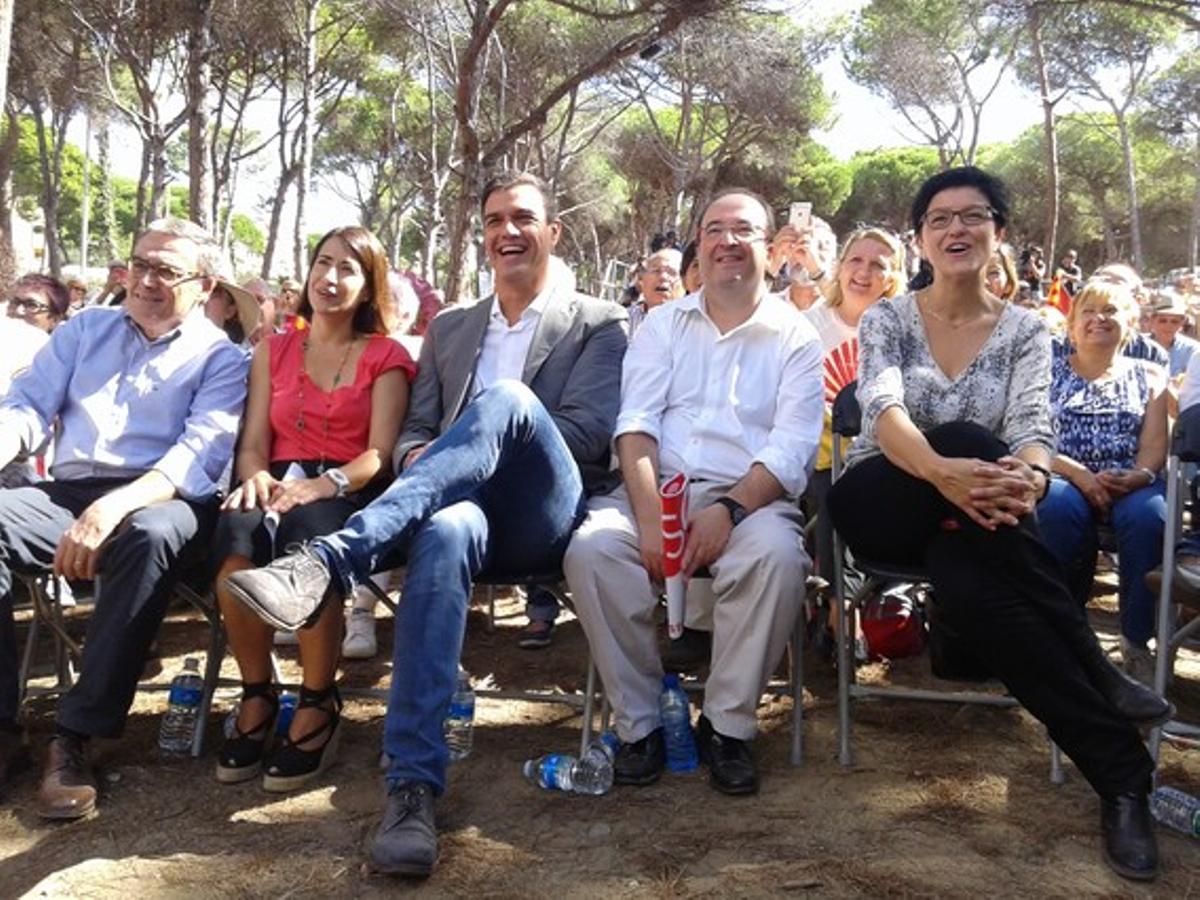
{"points": [[669, 273], [940, 219], [27, 306], [743, 232], [169, 276]]}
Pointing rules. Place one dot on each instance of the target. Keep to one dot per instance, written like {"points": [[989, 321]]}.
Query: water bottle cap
{"points": [[190, 662], [671, 680]]}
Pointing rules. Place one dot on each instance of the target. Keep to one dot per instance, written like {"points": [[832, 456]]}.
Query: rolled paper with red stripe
{"points": [[674, 530]]}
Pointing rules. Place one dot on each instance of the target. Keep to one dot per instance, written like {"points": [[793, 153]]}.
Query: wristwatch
{"points": [[340, 481], [737, 512]]}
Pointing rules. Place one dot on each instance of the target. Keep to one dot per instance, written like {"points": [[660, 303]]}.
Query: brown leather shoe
{"points": [[68, 788]]}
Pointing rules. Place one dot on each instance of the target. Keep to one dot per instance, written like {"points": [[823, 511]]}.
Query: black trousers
{"points": [[136, 575], [1004, 593]]}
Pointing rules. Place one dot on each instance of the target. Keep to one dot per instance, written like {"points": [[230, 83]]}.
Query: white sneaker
{"points": [[359, 642]]}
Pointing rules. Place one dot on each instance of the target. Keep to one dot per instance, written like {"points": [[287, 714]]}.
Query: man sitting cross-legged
{"points": [[146, 398], [725, 387], [509, 426]]}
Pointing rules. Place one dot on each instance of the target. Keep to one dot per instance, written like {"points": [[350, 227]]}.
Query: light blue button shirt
{"points": [[128, 405]]}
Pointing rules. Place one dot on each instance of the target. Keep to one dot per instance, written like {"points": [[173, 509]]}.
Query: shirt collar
{"points": [[770, 312], [193, 323], [533, 311]]}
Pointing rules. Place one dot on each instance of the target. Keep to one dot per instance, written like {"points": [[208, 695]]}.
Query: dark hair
{"points": [[56, 293], [373, 315], [503, 181], [962, 176], [689, 257], [744, 192]]}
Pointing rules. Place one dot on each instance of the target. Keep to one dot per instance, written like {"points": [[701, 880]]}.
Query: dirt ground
{"points": [[944, 800]]}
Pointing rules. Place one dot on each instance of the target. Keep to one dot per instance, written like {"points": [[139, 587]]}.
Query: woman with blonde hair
{"points": [[1111, 413], [870, 268]]}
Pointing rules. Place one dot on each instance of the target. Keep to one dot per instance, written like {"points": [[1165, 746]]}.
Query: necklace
{"points": [[949, 323], [301, 422]]}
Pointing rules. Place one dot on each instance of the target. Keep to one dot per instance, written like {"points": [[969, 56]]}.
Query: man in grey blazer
{"points": [[508, 431]]}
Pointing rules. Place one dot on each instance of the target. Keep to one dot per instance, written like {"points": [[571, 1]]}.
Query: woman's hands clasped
{"points": [[991, 494], [264, 492]]}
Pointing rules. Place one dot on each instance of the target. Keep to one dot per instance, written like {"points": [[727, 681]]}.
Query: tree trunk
{"points": [[158, 175], [1135, 215], [141, 211], [200, 187], [281, 192], [108, 199], [53, 256], [8, 153], [307, 114], [459, 232], [1050, 222], [6, 21], [1194, 233]]}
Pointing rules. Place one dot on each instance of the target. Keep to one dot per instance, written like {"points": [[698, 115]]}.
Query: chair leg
{"points": [[491, 619], [589, 699], [1057, 775], [212, 674], [797, 653]]}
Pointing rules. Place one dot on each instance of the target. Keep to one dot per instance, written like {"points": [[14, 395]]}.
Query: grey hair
{"points": [[209, 259]]}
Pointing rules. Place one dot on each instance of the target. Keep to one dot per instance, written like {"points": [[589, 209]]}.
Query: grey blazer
{"points": [[573, 366]]}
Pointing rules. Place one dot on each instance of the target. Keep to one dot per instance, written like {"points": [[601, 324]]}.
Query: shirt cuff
{"points": [[639, 422], [783, 466], [185, 470]]}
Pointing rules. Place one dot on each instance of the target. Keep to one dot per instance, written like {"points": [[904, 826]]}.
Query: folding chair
{"points": [[1185, 448], [46, 600], [553, 582], [794, 686], [847, 422]]}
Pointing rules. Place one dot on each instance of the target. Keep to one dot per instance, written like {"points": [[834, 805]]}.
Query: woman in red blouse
{"points": [[322, 415]]}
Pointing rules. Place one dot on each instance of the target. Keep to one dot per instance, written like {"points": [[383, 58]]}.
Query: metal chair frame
{"points": [[846, 424], [1185, 448]]}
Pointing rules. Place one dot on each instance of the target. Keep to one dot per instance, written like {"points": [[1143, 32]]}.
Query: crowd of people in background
{"points": [[528, 437]]}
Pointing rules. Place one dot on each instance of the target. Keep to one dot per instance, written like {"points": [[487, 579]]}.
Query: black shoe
{"points": [[1128, 831], [289, 593], [406, 841], [1132, 699], [641, 762], [730, 764], [688, 652], [240, 757], [291, 767]]}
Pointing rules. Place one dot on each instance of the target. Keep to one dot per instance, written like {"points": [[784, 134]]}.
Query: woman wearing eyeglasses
{"points": [[954, 453], [323, 413], [40, 300]]}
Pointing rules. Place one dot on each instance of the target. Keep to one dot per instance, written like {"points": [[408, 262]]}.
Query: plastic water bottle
{"points": [[287, 709], [676, 717], [460, 720], [1176, 809], [589, 774], [183, 710]]}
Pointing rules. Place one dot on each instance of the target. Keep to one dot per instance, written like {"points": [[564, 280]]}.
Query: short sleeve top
{"points": [[308, 423], [839, 367], [1099, 421], [1006, 388]]}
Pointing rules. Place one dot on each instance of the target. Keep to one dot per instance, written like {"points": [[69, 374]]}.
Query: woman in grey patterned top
{"points": [[954, 452]]}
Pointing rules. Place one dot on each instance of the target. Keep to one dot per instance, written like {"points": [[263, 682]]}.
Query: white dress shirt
{"points": [[717, 403], [505, 346]]}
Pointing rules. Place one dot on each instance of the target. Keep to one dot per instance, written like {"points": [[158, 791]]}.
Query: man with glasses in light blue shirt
{"points": [[147, 398]]}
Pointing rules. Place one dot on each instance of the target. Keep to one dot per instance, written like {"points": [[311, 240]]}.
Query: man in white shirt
{"points": [[723, 386]]}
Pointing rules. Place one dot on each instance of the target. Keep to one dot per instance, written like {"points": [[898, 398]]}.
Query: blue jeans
{"points": [[499, 489], [1068, 525]]}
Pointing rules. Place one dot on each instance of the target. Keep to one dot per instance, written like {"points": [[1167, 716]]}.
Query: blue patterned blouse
{"points": [[1099, 422]]}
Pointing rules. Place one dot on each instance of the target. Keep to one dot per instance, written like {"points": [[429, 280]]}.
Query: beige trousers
{"points": [[757, 592]]}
